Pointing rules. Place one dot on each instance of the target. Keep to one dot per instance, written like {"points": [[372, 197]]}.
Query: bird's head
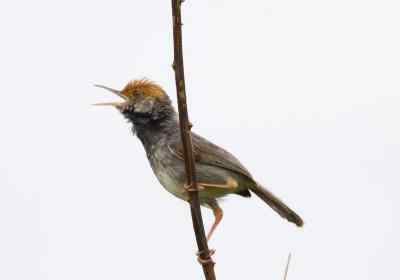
{"points": [[142, 100]]}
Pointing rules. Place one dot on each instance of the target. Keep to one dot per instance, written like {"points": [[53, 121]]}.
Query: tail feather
{"points": [[276, 204]]}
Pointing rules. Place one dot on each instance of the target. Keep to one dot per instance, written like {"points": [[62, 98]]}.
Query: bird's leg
{"points": [[190, 188], [229, 184], [218, 214], [213, 204]]}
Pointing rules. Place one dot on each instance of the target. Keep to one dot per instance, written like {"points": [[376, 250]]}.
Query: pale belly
{"points": [[170, 172], [167, 175], [171, 185]]}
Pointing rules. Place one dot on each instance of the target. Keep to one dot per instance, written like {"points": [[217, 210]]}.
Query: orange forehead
{"points": [[145, 87]]}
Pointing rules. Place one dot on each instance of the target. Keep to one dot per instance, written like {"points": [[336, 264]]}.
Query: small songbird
{"points": [[155, 122]]}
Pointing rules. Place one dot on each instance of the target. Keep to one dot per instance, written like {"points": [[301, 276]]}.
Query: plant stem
{"points": [[185, 126]]}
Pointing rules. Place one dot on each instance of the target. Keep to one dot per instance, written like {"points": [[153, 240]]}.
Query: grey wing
{"points": [[208, 153]]}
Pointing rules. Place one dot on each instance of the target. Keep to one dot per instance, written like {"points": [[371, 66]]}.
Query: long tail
{"points": [[276, 204]]}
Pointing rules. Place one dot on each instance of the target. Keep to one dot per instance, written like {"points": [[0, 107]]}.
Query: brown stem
{"points": [[185, 126]]}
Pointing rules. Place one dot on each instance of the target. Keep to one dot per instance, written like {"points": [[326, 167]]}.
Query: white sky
{"points": [[305, 93]]}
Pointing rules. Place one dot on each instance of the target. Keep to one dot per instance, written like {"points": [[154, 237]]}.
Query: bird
{"points": [[155, 122]]}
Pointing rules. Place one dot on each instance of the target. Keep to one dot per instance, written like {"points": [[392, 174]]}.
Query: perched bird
{"points": [[155, 122]]}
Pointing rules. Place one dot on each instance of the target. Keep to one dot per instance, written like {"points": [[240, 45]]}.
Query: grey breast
{"points": [[168, 169]]}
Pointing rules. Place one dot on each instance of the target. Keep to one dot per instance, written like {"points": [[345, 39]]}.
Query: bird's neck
{"points": [[150, 132]]}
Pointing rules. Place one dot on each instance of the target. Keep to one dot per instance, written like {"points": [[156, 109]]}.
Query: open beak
{"points": [[115, 104]]}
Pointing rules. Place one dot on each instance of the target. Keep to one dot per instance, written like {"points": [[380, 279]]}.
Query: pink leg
{"points": [[218, 213]]}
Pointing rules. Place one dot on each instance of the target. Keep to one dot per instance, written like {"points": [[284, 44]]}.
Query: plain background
{"points": [[305, 93]]}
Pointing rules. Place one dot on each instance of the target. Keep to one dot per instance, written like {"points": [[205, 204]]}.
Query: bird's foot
{"points": [[207, 258], [191, 188]]}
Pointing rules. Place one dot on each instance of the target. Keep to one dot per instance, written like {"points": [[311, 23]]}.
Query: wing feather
{"points": [[208, 153]]}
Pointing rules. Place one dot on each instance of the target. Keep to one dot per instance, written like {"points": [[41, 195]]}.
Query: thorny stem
{"points": [[185, 126]]}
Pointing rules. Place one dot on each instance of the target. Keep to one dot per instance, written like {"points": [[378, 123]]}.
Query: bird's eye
{"points": [[126, 108]]}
